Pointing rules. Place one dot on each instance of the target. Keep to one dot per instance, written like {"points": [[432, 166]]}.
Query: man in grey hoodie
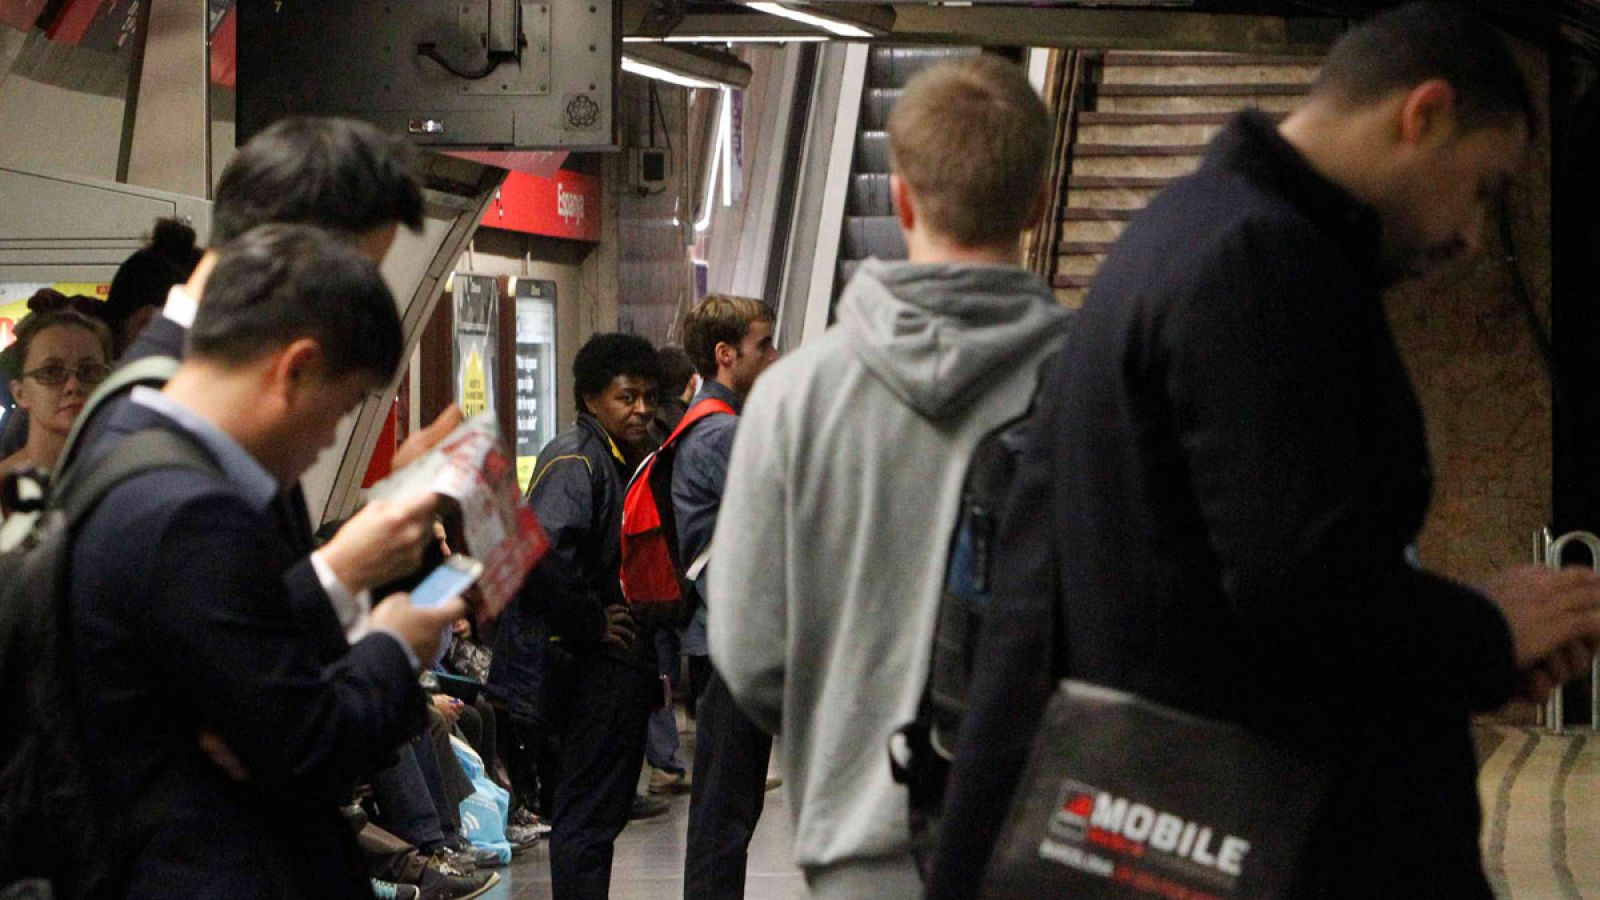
{"points": [[846, 473]]}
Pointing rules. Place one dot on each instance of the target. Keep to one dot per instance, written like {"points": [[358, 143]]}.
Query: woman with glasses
{"points": [[58, 358]]}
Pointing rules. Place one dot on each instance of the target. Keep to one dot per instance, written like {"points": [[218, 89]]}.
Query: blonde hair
{"points": [[719, 318], [970, 138]]}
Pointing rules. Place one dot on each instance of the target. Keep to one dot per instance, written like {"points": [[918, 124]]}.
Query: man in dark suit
{"points": [[182, 620], [1231, 470]]}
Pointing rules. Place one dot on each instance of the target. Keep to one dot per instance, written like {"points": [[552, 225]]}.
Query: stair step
{"points": [[1243, 73], [1081, 214], [1149, 135], [1078, 264], [1072, 281], [1155, 166], [1110, 198], [1203, 90], [1071, 298], [1098, 231], [1156, 118], [1084, 248], [1113, 182], [1134, 58], [1080, 151], [1145, 103]]}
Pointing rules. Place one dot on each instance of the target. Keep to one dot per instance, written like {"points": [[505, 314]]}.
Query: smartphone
{"points": [[454, 575]]}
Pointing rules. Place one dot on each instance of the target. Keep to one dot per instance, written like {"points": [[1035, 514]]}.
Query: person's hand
{"points": [[222, 756], [1554, 615], [422, 629], [619, 627], [381, 542], [448, 706], [420, 442]]}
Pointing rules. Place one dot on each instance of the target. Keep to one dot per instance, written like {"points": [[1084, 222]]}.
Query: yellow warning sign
{"points": [[474, 386]]}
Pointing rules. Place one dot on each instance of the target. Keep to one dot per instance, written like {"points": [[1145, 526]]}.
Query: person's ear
{"points": [[726, 353], [1427, 113], [905, 208], [589, 401], [16, 394], [295, 370]]}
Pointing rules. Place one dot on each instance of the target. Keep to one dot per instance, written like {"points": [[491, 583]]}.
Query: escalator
{"points": [[870, 227]]}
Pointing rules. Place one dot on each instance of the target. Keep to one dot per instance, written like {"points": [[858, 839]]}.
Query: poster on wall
{"points": [[536, 372], [477, 302]]}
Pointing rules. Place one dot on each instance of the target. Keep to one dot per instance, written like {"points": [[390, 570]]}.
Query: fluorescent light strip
{"points": [[729, 39], [716, 162], [842, 29], [638, 67]]}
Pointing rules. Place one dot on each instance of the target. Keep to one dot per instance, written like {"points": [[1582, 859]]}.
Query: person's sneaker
{"points": [[522, 816], [435, 885], [663, 781], [481, 858], [521, 837], [452, 862], [773, 783], [647, 808], [388, 890]]}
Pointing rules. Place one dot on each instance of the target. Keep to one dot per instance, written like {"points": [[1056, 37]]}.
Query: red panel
{"points": [[225, 50], [566, 205], [74, 21], [20, 14], [383, 454]]}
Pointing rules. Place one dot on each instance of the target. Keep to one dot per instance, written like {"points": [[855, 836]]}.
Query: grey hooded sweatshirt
{"points": [[830, 552]]}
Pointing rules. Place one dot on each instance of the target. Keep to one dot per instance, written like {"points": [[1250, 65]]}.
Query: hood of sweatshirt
{"points": [[934, 333]]}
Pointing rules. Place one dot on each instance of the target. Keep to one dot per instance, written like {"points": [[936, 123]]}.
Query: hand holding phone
{"points": [[449, 580]]}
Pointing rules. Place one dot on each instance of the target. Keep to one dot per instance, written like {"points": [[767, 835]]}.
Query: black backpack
{"points": [[921, 752], [54, 828]]}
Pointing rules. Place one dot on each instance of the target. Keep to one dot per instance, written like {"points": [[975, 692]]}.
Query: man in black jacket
{"points": [[183, 623], [1230, 466], [598, 688]]}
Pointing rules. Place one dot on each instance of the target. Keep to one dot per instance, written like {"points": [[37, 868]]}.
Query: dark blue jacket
{"points": [[576, 492], [182, 622], [1229, 464], [699, 473]]}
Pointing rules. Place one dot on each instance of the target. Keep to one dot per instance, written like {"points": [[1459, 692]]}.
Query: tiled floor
{"points": [[649, 859]]}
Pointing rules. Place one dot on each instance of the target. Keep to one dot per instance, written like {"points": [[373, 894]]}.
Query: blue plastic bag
{"points": [[485, 812]]}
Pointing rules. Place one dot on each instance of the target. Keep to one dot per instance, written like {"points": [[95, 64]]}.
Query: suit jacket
{"points": [[182, 622], [1230, 465]]}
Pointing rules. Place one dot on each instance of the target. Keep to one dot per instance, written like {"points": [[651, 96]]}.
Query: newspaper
{"points": [[473, 467]]}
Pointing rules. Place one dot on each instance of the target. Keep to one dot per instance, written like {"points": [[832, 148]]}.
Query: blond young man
{"points": [[846, 475]]}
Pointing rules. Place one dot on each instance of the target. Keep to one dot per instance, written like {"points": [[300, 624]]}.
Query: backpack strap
{"points": [[705, 409], [79, 489], [151, 371]]}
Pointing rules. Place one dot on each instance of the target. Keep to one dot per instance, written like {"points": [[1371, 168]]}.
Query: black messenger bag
{"points": [[1123, 798]]}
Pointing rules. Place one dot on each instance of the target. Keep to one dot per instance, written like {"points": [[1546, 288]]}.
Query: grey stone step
{"points": [[1110, 198], [1234, 89], [1086, 150], [1079, 264], [1137, 58], [1071, 298], [1239, 74], [1099, 232], [1164, 167], [1185, 134], [1145, 103], [1081, 214]]}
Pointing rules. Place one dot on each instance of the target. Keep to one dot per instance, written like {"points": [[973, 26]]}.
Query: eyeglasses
{"points": [[56, 373]]}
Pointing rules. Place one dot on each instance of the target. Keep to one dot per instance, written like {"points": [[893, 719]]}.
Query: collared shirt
{"points": [[181, 307], [260, 488]]}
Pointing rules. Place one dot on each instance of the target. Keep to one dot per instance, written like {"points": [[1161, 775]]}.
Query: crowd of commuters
{"points": [[1222, 479]]}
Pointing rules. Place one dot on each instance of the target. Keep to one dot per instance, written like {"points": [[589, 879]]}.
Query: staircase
{"points": [[1144, 120], [870, 227]]}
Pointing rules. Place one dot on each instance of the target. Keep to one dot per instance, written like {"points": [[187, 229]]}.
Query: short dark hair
{"points": [[280, 283], [144, 278], [1403, 47], [676, 370], [720, 318], [605, 356], [338, 174]]}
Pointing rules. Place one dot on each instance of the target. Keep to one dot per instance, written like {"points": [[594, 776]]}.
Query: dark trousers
{"points": [[602, 749], [725, 795], [405, 804]]}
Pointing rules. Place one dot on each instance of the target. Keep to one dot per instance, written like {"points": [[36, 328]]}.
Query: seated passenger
{"points": [[59, 357], [296, 330]]}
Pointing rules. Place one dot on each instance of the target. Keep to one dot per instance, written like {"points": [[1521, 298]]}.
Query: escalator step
{"points": [[876, 103], [892, 67], [872, 152], [869, 195], [864, 236]]}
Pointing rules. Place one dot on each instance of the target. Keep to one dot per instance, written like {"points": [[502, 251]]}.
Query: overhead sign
{"points": [[565, 205]]}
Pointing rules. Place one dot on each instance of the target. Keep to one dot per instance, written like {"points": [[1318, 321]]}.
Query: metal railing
{"points": [[1548, 551]]}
